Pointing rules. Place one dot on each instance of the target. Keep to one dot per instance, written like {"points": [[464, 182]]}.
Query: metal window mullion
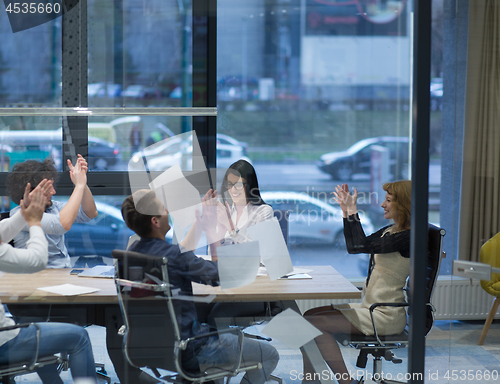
{"points": [[420, 188], [74, 87]]}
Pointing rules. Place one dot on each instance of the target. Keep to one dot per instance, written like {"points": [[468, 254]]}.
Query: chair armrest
{"points": [[150, 287], [237, 330], [15, 326], [375, 305], [182, 345]]}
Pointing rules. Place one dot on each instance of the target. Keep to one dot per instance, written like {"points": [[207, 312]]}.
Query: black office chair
{"points": [[380, 346], [152, 338], [9, 371], [283, 215]]}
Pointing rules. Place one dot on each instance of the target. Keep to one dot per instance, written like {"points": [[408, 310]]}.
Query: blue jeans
{"points": [[225, 350], [54, 338]]}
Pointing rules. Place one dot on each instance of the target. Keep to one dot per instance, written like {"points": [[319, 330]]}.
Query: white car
{"points": [[312, 220], [166, 153]]}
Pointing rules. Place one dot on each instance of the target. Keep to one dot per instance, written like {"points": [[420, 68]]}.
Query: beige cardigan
{"points": [[386, 285]]}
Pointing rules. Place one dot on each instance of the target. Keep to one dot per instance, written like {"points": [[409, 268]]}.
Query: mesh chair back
{"points": [[434, 254], [435, 246], [282, 216], [150, 336]]}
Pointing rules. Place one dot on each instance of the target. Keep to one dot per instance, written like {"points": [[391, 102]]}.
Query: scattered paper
{"points": [[273, 249], [298, 270], [178, 195], [238, 264], [291, 329], [296, 276], [69, 289]]}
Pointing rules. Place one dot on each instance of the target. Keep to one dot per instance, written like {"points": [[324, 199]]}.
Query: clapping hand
{"points": [[34, 202], [208, 219], [45, 186], [346, 201], [78, 172]]}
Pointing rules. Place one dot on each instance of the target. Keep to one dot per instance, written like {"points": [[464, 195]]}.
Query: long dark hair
{"points": [[245, 170]]}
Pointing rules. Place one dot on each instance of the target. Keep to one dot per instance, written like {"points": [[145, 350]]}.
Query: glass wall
{"points": [[314, 93], [320, 92]]}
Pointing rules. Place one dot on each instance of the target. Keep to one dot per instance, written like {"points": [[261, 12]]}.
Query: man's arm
{"points": [[88, 203], [78, 174], [11, 226], [34, 258]]}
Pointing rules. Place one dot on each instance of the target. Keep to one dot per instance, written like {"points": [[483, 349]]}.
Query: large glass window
{"points": [[315, 88], [140, 53], [312, 92]]}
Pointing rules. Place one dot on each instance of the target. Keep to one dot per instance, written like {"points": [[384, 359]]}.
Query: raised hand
{"points": [[78, 172], [208, 218], [33, 211], [25, 202], [346, 201], [46, 186]]}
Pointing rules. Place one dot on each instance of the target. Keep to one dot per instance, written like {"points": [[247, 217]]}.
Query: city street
{"points": [[308, 178]]}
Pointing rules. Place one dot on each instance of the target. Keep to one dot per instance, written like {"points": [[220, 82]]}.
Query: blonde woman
{"points": [[389, 250]]}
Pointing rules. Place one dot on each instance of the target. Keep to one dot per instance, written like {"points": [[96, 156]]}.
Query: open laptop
{"points": [[105, 271]]}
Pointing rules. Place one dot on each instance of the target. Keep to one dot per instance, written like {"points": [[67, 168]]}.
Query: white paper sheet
{"points": [[273, 249], [238, 264], [291, 329], [298, 271], [178, 195], [296, 276], [69, 289]]}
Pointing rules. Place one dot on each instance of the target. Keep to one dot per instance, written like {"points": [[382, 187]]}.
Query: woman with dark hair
{"points": [[389, 250], [242, 206]]}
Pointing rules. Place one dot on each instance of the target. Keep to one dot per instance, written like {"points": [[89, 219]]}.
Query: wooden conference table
{"points": [[21, 289], [100, 307], [326, 283]]}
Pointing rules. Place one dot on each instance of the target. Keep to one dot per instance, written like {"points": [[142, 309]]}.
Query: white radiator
{"points": [[453, 298]]}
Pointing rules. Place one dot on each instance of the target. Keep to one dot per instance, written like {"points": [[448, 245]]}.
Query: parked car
{"points": [[225, 139], [231, 88], [104, 90], [100, 235], [312, 220], [102, 153], [163, 155], [357, 159], [141, 92], [437, 94]]}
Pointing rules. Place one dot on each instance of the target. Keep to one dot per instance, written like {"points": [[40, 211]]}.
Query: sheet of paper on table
{"points": [[238, 264], [69, 289], [297, 273], [273, 249], [296, 276]]}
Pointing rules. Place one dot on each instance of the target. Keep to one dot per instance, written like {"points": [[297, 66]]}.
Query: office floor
{"points": [[452, 356]]}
